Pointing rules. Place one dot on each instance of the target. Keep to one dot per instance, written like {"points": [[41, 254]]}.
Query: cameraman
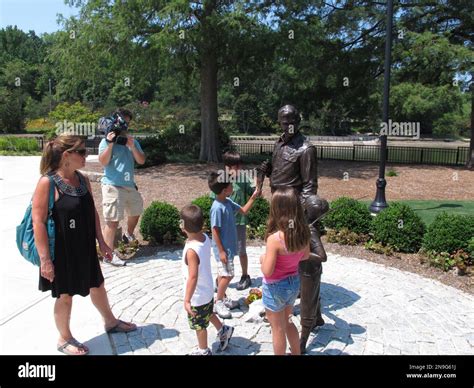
{"points": [[117, 153]]}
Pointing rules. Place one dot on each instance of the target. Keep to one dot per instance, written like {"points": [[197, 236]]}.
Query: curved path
{"points": [[368, 309]]}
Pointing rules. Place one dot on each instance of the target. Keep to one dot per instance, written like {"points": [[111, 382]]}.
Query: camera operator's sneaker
{"points": [[201, 352], [244, 283], [117, 261], [224, 335], [128, 238], [231, 304], [221, 309]]}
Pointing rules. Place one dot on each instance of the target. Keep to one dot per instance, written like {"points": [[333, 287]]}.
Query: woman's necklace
{"points": [[68, 189]]}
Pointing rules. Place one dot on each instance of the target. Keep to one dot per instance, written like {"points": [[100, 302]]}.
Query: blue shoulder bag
{"points": [[25, 239]]}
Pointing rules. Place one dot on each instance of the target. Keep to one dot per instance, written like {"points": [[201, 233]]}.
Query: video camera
{"points": [[117, 124]]}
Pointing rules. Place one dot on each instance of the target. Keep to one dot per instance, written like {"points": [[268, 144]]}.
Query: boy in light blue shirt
{"points": [[224, 238]]}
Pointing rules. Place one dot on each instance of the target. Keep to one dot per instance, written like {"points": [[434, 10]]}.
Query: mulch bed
{"points": [[180, 183]]}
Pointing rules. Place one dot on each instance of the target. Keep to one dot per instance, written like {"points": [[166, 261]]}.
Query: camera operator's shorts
{"points": [[116, 200]]}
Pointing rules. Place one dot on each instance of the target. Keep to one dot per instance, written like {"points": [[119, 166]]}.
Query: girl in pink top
{"points": [[287, 243]]}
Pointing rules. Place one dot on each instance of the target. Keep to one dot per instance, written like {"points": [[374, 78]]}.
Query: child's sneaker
{"points": [[231, 304], [117, 261], [222, 310], [128, 238], [224, 335], [201, 352], [244, 283]]}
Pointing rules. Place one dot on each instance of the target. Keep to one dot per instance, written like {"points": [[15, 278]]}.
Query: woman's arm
{"points": [[269, 260], [39, 214]]}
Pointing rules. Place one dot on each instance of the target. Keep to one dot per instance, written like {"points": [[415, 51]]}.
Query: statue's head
{"points": [[289, 119]]}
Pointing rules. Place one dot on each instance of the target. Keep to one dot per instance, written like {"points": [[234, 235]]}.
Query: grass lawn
{"points": [[428, 210]]}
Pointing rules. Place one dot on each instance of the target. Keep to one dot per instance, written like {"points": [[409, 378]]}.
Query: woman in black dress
{"points": [[75, 269]]}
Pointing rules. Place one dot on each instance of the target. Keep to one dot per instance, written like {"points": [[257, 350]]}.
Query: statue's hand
{"points": [[265, 168]]}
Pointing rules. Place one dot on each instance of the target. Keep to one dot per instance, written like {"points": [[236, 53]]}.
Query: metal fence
{"points": [[357, 152], [371, 153], [313, 138]]}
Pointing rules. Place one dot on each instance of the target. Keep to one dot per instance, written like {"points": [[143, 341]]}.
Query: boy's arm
{"points": [[192, 261], [216, 236], [245, 209]]}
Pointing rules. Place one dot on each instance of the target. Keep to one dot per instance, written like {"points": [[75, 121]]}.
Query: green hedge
{"points": [[259, 212], [155, 151], [258, 216], [348, 213], [205, 203], [449, 233], [160, 223], [400, 227], [18, 144]]}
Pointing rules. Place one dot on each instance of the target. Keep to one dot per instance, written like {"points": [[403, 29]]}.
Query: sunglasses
{"points": [[81, 151]]}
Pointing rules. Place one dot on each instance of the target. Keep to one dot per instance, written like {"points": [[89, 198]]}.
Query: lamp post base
{"points": [[379, 203]]}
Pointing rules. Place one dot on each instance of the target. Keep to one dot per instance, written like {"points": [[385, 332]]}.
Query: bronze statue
{"points": [[294, 164]]}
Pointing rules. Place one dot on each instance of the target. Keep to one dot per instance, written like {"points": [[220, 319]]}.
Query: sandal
{"points": [[73, 342], [118, 328]]}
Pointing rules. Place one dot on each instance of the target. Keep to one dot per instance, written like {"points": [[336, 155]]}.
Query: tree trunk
{"points": [[470, 159], [210, 151]]}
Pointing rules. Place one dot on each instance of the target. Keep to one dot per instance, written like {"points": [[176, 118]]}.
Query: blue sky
{"points": [[37, 15]]}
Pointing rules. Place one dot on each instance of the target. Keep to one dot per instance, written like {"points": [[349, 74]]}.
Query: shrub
{"points": [[399, 226], [40, 126], [257, 233], [205, 203], [183, 138], [376, 247], [348, 213], [257, 218], [259, 213], [345, 236], [470, 247], [154, 149], [449, 232], [160, 223], [76, 112], [446, 261]]}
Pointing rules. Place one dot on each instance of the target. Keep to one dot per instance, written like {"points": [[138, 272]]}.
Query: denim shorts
{"points": [[277, 296]]}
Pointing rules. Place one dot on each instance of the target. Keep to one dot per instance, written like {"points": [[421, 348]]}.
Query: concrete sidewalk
{"points": [[26, 315]]}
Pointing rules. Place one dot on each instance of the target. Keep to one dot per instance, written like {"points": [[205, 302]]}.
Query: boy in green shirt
{"points": [[243, 190]]}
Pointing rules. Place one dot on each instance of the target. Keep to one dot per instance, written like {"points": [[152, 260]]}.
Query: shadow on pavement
{"points": [[333, 298]]}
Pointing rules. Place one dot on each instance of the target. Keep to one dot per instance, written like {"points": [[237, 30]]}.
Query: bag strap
{"points": [[51, 194]]}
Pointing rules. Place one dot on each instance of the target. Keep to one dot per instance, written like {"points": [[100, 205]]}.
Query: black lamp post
{"points": [[379, 202]]}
